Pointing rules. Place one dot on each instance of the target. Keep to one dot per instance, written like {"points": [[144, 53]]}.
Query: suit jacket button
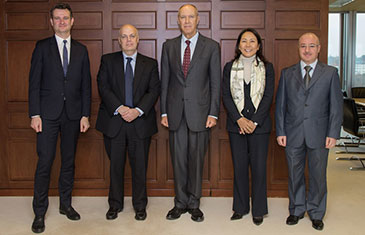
{"points": [[306, 105]]}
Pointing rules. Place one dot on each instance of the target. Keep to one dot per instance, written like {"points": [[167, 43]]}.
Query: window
{"points": [[358, 79], [334, 40], [346, 47]]}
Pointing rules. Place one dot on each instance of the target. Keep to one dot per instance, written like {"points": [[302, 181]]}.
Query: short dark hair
{"points": [[259, 41], [63, 6]]}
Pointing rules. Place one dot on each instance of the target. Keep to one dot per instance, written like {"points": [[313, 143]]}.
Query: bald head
{"points": [[310, 35], [128, 39], [309, 48]]}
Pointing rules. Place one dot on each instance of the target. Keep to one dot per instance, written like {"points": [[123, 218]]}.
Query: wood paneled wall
{"points": [[23, 22]]}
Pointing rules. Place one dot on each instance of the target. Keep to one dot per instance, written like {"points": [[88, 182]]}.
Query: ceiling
{"points": [[346, 5]]}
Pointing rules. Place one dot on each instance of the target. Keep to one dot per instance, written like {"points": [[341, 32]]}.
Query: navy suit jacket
{"points": [[50, 90]]}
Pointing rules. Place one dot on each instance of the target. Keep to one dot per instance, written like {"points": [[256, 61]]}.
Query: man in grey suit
{"points": [[190, 84], [308, 122]]}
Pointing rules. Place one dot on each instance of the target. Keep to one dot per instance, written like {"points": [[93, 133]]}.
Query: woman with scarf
{"points": [[248, 89]]}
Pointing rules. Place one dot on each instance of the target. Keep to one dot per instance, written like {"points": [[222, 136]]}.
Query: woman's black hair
{"points": [[259, 41]]}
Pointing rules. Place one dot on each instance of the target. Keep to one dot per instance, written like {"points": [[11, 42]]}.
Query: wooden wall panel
{"points": [[88, 20], [141, 20], [19, 54], [279, 22], [21, 167], [27, 21], [242, 19], [298, 20]]}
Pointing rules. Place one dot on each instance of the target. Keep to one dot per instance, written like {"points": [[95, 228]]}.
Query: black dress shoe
{"points": [[196, 214], [38, 224], [317, 224], [293, 219], [236, 216], [175, 213], [257, 220], [70, 213], [141, 214], [112, 213]]}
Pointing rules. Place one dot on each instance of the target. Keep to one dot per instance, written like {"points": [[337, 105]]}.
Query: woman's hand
{"points": [[246, 126]]}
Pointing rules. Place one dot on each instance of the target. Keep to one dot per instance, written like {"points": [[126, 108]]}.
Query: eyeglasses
{"points": [[130, 37], [310, 46]]}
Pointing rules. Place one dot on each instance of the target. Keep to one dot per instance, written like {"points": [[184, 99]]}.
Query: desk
{"points": [[360, 101]]}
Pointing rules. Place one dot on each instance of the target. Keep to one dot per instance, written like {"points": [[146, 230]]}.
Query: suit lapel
{"points": [[73, 55], [118, 64], [197, 51], [317, 73], [297, 74], [56, 54], [138, 72], [177, 48]]}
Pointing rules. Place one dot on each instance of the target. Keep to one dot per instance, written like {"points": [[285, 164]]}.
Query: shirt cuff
{"points": [[164, 115], [213, 116], [140, 111], [116, 111]]}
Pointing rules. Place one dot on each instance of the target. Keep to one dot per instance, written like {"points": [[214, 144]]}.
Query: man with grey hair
{"points": [[190, 77]]}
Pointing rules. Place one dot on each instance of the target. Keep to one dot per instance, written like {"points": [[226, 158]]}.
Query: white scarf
{"points": [[257, 83]]}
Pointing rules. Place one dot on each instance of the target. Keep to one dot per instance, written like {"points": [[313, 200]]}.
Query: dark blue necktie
{"points": [[65, 58], [128, 77]]}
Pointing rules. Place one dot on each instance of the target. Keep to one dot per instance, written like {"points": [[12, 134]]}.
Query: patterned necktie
{"points": [[128, 77], [186, 61], [307, 77], [65, 58]]}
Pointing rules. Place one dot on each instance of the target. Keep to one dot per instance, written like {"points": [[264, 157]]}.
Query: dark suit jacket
{"points": [[198, 94], [311, 114], [262, 114], [146, 89], [49, 90]]}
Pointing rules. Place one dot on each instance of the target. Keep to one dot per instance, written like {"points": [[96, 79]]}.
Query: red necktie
{"points": [[186, 61]]}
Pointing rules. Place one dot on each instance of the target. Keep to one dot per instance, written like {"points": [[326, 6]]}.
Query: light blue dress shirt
{"points": [[133, 64]]}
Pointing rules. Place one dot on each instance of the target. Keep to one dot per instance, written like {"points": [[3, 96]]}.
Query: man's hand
{"points": [[330, 142], [36, 124], [164, 121], [130, 114], [211, 121], [84, 124], [281, 140], [123, 109]]}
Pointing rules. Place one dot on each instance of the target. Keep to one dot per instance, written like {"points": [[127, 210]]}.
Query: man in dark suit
{"points": [[190, 77], [59, 103], [308, 122], [129, 88]]}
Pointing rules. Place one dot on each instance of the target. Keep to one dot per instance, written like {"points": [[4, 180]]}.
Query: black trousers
{"points": [[249, 151], [46, 148], [188, 149], [127, 140]]}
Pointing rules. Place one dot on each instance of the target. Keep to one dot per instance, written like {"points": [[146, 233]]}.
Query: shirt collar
{"points": [[313, 65], [60, 40], [192, 40], [134, 56]]}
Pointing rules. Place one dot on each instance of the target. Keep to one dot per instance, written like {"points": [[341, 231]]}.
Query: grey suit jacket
{"points": [[198, 95], [311, 114]]}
